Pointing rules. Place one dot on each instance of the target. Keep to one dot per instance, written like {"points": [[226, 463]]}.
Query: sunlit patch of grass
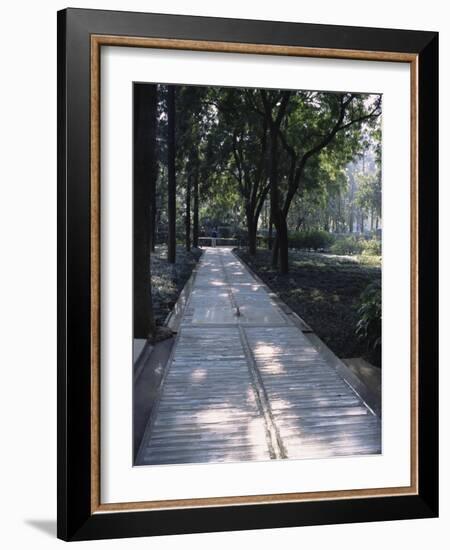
{"points": [[308, 263], [320, 260], [366, 259]]}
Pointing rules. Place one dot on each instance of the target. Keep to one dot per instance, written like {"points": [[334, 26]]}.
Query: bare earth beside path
{"points": [[323, 290]]}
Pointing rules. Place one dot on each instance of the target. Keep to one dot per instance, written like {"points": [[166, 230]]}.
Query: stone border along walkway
{"points": [[244, 383]]}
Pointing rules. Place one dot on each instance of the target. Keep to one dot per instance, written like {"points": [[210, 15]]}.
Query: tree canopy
{"points": [[253, 159]]}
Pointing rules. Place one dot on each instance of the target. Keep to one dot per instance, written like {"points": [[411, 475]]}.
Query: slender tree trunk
{"points": [[270, 239], [188, 213], [171, 188], [144, 152], [275, 251], [338, 217], [276, 247], [157, 224], [351, 220], [273, 178], [251, 232], [278, 218], [266, 217], [153, 217], [195, 213], [153, 183], [283, 245]]}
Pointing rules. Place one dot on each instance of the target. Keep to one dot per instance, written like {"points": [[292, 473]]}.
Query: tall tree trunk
{"points": [[273, 178], [277, 215], [351, 220], [283, 245], [266, 215], [188, 213], [251, 232], [270, 239], [153, 216], [338, 217], [275, 251], [195, 213], [171, 189], [144, 152], [252, 241], [157, 224]]}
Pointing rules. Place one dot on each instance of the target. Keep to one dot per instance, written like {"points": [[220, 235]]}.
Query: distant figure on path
{"points": [[214, 238]]}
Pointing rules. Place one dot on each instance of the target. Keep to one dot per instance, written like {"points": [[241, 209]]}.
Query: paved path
{"points": [[244, 382]]}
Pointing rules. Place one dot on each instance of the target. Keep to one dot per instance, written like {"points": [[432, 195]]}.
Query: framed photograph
{"points": [[247, 256]]}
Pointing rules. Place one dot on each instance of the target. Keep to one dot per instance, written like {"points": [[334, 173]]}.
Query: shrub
{"points": [[368, 327], [372, 247], [347, 245], [310, 240]]}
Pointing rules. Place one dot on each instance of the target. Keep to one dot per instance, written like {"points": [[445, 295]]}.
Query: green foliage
{"points": [[310, 240], [369, 261], [356, 245], [372, 247], [223, 151], [347, 245], [368, 195], [368, 327]]}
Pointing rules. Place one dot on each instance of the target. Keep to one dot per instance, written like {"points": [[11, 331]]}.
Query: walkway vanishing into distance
{"points": [[244, 382]]}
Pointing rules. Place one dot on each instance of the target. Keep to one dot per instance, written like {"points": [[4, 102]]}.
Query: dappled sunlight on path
{"points": [[244, 383]]}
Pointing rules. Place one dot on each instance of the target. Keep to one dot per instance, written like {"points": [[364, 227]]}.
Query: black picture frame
{"points": [[76, 521]]}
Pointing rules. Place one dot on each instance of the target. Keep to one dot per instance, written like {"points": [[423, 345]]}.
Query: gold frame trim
{"points": [[97, 41]]}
